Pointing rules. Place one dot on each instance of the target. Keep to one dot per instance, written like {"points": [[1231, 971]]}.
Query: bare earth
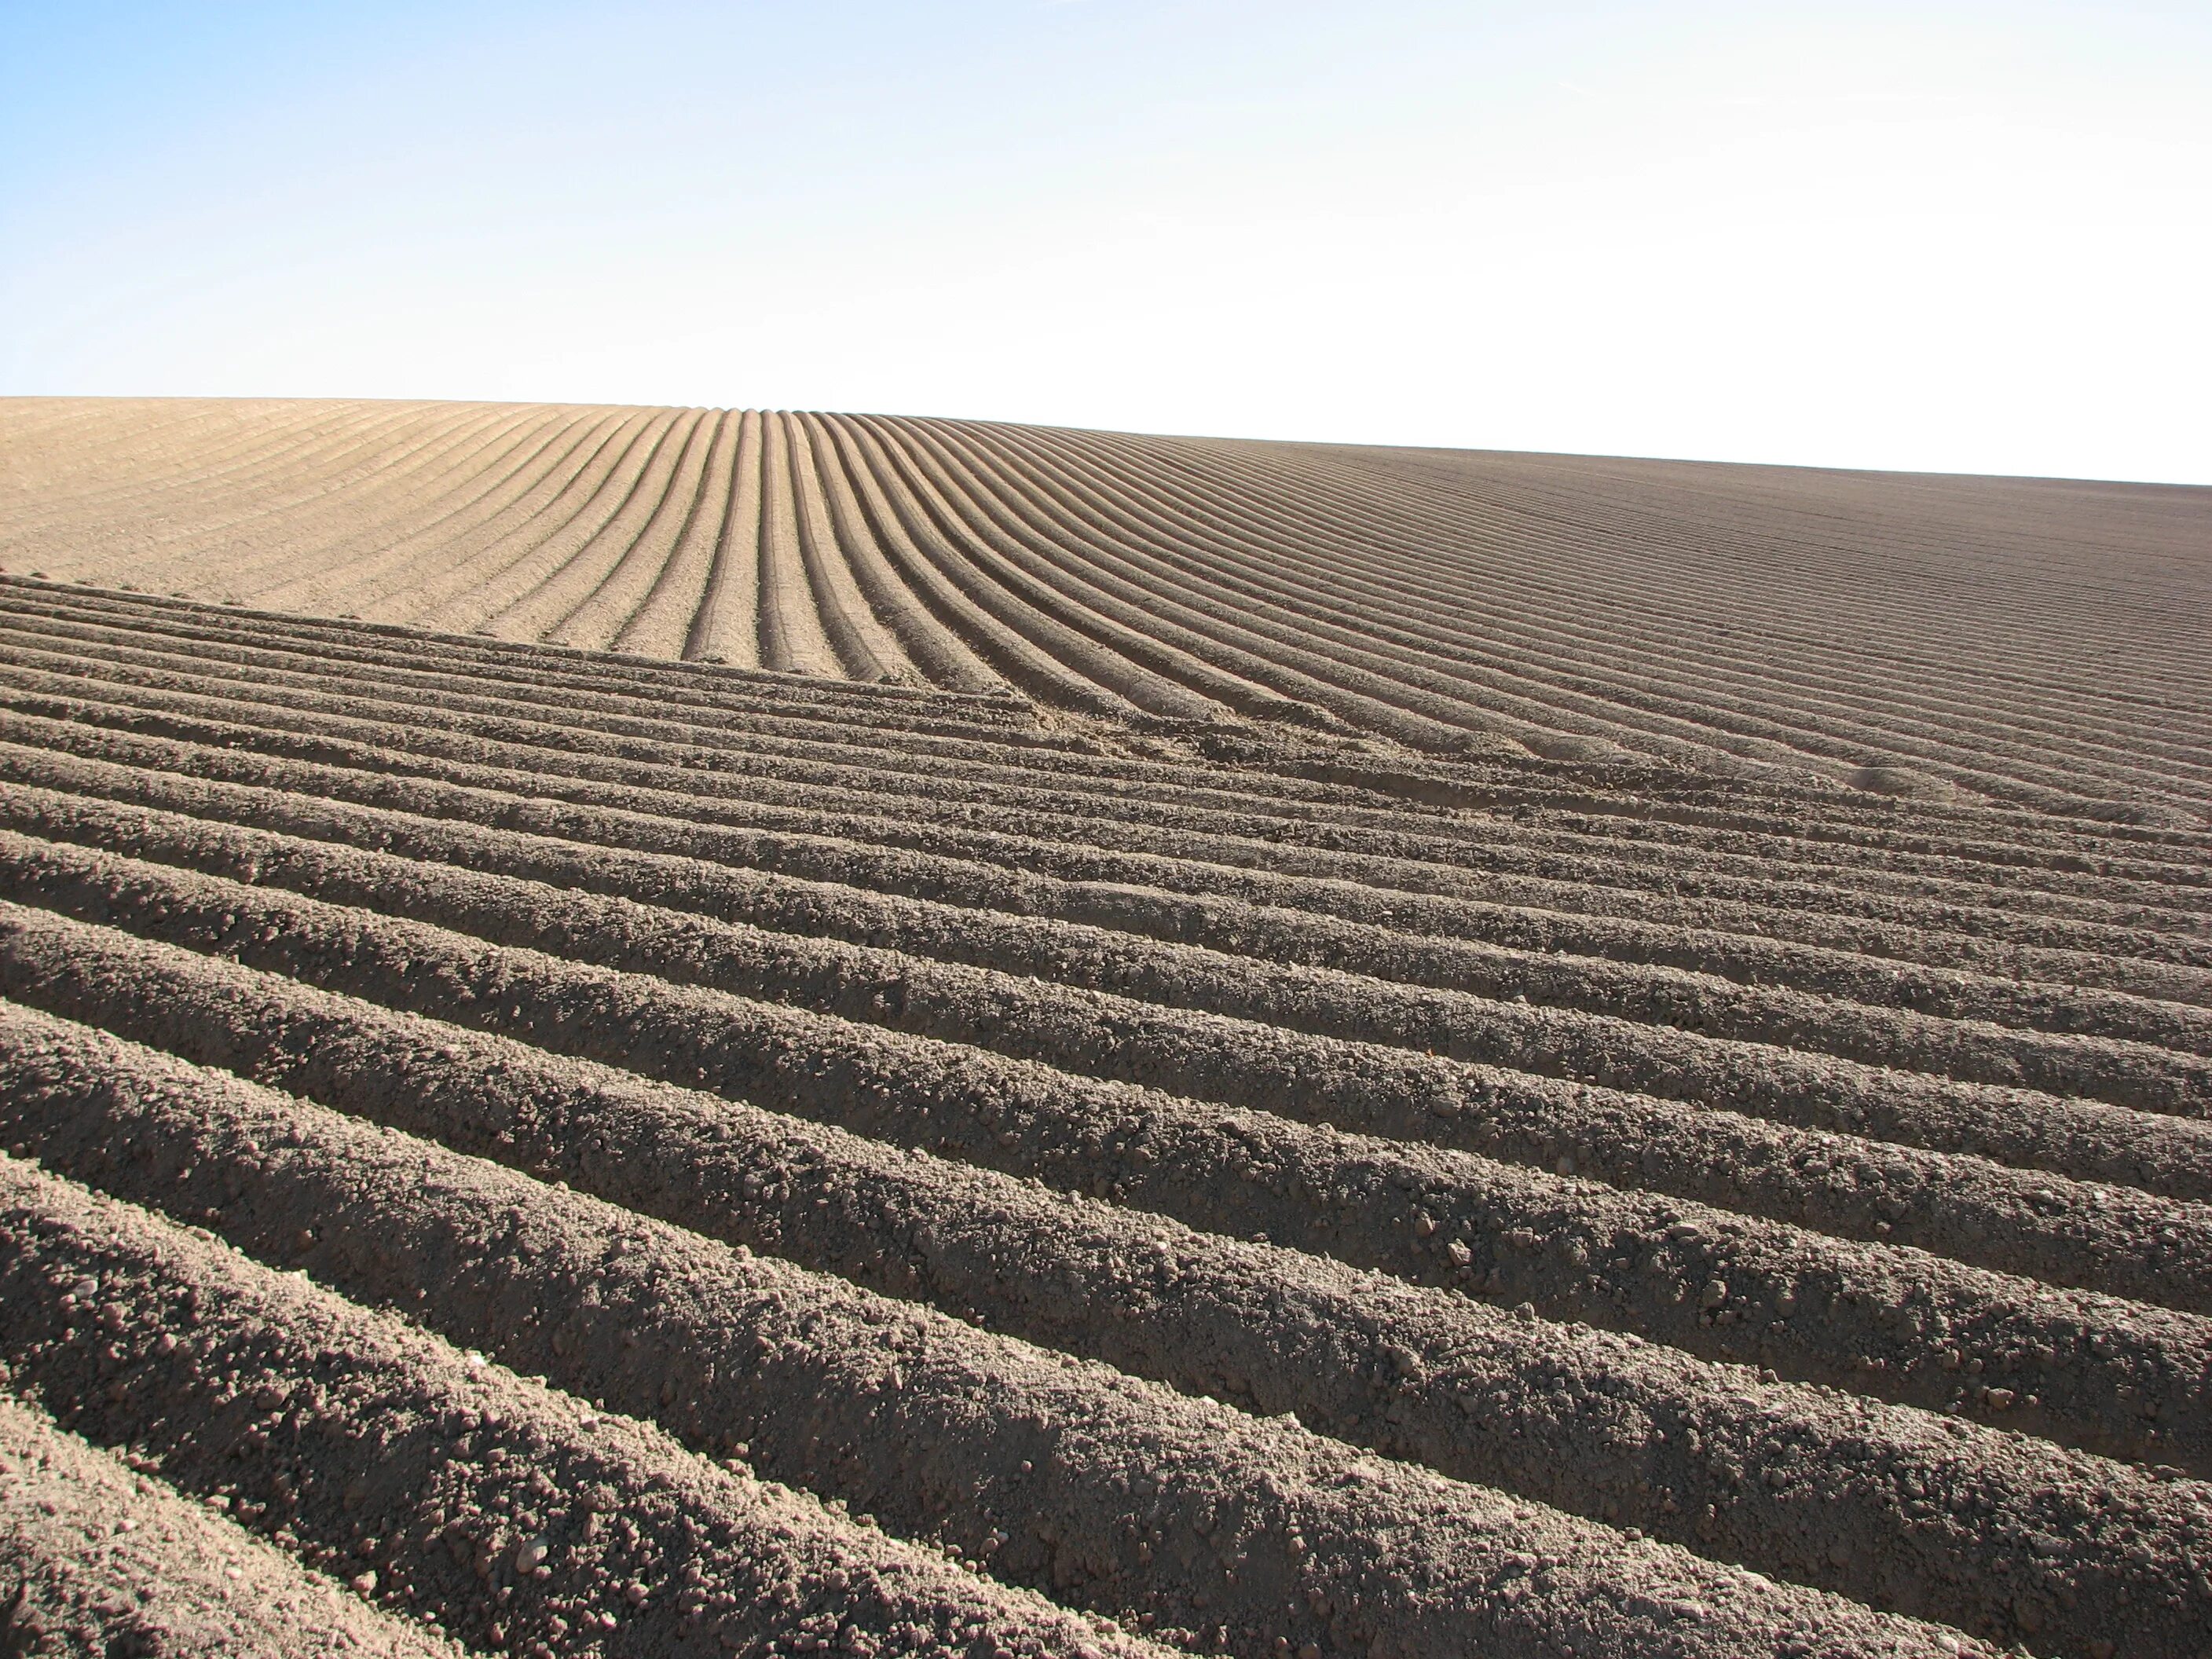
{"points": [[113, 1563], [1079, 1044], [2034, 641]]}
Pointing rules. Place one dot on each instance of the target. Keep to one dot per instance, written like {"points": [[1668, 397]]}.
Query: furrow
{"points": [[1387, 510], [385, 576], [1510, 856], [1347, 681], [1742, 987], [333, 523], [2069, 1038], [642, 563], [345, 1428], [2073, 1232], [1987, 896], [1568, 622], [1307, 527], [1560, 629], [937, 652], [1260, 1525], [465, 594], [1764, 622], [1520, 482], [1844, 827], [1200, 1046], [866, 648], [468, 488], [1288, 551], [103, 460], [2080, 1138], [531, 599], [1060, 555], [1636, 1435], [709, 692], [2109, 1375], [793, 639], [903, 531], [366, 481], [934, 525], [662, 619], [104, 1559], [139, 540], [1557, 1041], [723, 630], [1188, 659]]}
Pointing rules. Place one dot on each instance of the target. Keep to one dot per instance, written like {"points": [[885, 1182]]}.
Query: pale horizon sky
{"points": [[1934, 238]]}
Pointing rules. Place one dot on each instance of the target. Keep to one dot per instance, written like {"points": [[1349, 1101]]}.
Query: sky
{"points": [[1933, 237]]}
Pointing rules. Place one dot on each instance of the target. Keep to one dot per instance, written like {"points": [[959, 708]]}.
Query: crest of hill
{"points": [[2036, 643]]}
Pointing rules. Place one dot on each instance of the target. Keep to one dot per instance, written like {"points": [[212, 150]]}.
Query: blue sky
{"points": [[1938, 237]]}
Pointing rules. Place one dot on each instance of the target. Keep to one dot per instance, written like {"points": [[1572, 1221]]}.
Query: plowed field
{"points": [[1039, 1106], [2034, 641]]}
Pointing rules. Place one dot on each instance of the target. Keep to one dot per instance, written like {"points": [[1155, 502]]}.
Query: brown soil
{"points": [[96, 1558], [446, 1486], [1054, 1101], [1922, 639]]}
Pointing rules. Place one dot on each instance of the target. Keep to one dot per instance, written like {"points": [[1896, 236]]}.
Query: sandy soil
{"points": [[2033, 641], [1043, 1107]]}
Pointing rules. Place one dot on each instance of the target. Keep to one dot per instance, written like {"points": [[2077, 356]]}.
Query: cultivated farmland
{"points": [[644, 1031], [2034, 641]]}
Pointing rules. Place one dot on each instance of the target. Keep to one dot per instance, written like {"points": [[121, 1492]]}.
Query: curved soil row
{"points": [[1825, 827], [269, 651], [1168, 857], [2107, 1374], [2092, 1235], [1447, 601], [1207, 1177], [1172, 1033], [454, 1480], [1743, 957], [110, 1561], [2124, 1071], [1966, 1208], [1608, 1428], [930, 1420], [1747, 953]]}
